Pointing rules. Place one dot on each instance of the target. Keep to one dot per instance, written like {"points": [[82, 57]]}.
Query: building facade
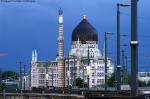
{"points": [[85, 60], [144, 76]]}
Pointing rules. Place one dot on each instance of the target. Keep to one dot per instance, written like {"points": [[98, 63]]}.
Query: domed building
{"points": [[85, 60]]}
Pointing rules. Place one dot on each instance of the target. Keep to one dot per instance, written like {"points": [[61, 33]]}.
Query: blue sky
{"points": [[34, 25]]}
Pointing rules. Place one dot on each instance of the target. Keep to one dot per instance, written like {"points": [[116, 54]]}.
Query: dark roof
{"points": [[85, 32]]}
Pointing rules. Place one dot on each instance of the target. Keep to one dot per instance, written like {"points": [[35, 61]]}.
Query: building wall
{"points": [[78, 59], [144, 76], [44, 75]]}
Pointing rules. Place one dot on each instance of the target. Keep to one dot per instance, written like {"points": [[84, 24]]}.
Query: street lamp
{"points": [[68, 71], [24, 82], [105, 37], [83, 67], [88, 78], [46, 75], [52, 75], [118, 42], [134, 47]]}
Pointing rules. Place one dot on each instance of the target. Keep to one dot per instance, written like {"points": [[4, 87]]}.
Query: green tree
{"points": [[129, 79], [142, 83], [148, 83], [79, 82], [9, 75], [2, 86], [111, 80]]}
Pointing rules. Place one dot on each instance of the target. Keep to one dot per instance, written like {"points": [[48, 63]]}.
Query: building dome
{"points": [[84, 32]]}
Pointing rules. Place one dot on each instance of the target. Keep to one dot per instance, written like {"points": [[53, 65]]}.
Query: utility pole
{"points": [[126, 69], [105, 61], [88, 79], [24, 77], [20, 65], [52, 77], [74, 73], [105, 39], [46, 76], [30, 75], [118, 44], [83, 70], [68, 71], [123, 68], [118, 48], [0, 74], [134, 48]]}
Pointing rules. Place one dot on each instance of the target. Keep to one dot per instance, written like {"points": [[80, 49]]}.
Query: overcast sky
{"points": [[25, 26]]}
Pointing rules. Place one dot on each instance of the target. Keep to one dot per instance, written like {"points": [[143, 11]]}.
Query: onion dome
{"points": [[84, 32]]}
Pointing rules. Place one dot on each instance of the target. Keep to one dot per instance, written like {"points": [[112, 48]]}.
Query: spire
{"points": [[34, 56], [104, 49]]}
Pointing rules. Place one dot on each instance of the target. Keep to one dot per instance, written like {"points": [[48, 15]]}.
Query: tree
{"points": [[142, 83], [79, 82], [111, 80], [148, 83], [9, 75], [2, 86]]}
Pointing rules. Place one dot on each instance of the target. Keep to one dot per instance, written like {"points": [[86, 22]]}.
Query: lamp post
{"points": [[46, 75], [105, 39], [52, 70], [134, 47], [123, 67], [126, 69], [68, 73], [24, 82], [82, 66], [74, 71], [0, 74], [88, 78], [118, 43], [20, 80]]}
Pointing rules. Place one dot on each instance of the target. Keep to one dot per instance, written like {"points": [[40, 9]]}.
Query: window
{"points": [[98, 68], [98, 74], [102, 81], [148, 74], [41, 70], [41, 82], [93, 67], [92, 74], [42, 76], [93, 80], [98, 80]]}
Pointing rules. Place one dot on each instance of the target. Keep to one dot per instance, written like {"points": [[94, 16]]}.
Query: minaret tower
{"points": [[60, 59]]}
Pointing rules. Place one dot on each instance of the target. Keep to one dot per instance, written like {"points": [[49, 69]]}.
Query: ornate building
{"points": [[84, 61]]}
